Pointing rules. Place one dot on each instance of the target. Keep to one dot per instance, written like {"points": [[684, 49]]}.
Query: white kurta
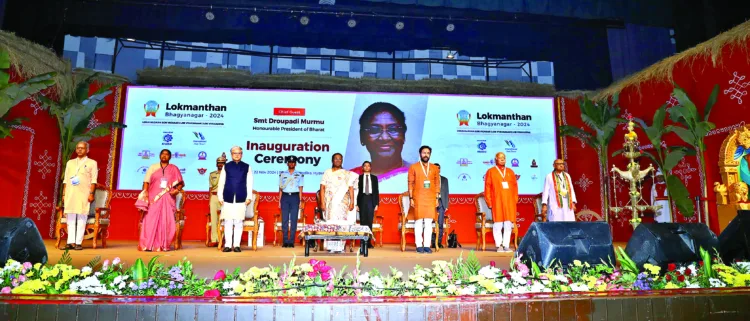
{"points": [[558, 212], [236, 209], [337, 184], [660, 198]]}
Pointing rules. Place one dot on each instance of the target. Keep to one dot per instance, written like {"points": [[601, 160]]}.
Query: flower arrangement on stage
{"points": [[316, 278]]}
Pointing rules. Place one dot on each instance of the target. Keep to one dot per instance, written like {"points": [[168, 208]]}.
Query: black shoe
{"points": [[226, 249], [370, 246], [441, 246], [78, 247], [67, 247], [237, 249], [290, 245], [284, 245]]}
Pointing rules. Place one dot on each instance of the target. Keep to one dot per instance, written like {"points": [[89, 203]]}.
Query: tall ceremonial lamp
{"points": [[635, 176]]}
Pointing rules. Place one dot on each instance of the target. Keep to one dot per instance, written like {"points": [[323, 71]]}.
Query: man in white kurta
{"points": [[79, 185], [659, 197], [558, 196], [235, 194]]}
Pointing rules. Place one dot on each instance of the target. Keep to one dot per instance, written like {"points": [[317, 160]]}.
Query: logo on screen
{"points": [[510, 146], [490, 162], [146, 154], [179, 155], [142, 170], [463, 162], [481, 146], [533, 163], [483, 177], [463, 118], [182, 171], [533, 177], [201, 171], [151, 107], [518, 177], [199, 138], [514, 162], [202, 156], [167, 138], [464, 177]]}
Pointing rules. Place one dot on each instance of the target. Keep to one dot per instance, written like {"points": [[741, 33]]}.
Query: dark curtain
{"points": [[637, 47]]}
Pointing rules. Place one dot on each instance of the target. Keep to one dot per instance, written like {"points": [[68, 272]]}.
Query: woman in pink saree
{"points": [[161, 185]]}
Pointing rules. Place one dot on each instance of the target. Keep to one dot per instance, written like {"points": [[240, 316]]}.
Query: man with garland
{"points": [[558, 196]]}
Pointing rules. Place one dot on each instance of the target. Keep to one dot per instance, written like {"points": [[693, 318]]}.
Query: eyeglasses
{"points": [[393, 131]]}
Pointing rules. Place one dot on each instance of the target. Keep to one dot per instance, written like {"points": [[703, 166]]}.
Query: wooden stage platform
{"points": [[206, 261], [674, 305]]}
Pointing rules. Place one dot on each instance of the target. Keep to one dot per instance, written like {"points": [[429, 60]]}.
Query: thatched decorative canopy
{"points": [[233, 78], [662, 70], [29, 59]]}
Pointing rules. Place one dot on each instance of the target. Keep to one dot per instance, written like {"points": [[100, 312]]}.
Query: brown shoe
{"points": [[213, 244], [78, 247]]}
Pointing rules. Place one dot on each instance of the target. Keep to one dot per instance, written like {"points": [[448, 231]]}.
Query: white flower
{"points": [[692, 285], [362, 278], [91, 285], [489, 272], [693, 270], [716, 283], [451, 289], [86, 269], [443, 278], [97, 274], [364, 293], [579, 287], [539, 287], [744, 265], [118, 279], [306, 267], [561, 278], [420, 287], [469, 290], [377, 282]]}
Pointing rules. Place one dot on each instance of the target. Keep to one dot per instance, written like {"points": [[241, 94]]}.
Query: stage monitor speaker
{"points": [[20, 240], [664, 243], [565, 242], [734, 241]]}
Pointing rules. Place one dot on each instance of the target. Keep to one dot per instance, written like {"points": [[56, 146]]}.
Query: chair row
{"points": [[99, 220]]}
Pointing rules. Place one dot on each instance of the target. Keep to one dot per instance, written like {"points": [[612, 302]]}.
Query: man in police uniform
{"points": [[290, 195], [213, 188]]}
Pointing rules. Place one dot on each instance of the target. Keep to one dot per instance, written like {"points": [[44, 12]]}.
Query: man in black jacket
{"points": [[368, 197]]}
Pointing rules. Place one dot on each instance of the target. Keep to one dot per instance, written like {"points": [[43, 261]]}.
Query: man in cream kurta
{"points": [[659, 197], [79, 185], [558, 195], [235, 194]]}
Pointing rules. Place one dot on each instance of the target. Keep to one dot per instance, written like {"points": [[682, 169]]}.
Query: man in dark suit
{"points": [[368, 197], [442, 206]]}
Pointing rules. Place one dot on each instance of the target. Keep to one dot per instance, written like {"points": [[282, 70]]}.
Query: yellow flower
{"points": [[273, 275], [671, 285], [37, 266], [30, 274], [577, 263], [586, 264], [239, 288], [292, 279], [489, 285], [653, 269], [475, 278], [69, 291], [601, 287]]}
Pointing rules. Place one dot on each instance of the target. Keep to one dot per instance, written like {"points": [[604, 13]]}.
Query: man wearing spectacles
{"points": [[558, 191], [382, 130], [235, 194]]}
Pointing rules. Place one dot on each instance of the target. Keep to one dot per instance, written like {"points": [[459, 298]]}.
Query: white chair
{"points": [[484, 222]]}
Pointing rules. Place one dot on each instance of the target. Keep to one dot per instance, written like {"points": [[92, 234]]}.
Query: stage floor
{"points": [[206, 261]]}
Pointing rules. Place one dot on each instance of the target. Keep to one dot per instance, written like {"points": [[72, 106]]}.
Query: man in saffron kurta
{"points": [[558, 195], [501, 194], [424, 188]]}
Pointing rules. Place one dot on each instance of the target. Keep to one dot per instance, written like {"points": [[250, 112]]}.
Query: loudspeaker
{"points": [[664, 243], [20, 240], [565, 242], [734, 241]]}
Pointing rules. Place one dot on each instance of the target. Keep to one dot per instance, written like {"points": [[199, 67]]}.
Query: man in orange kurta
{"points": [[424, 188], [501, 194]]}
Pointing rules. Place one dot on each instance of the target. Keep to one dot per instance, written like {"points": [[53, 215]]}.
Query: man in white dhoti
{"points": [[558, 193], [235, 193], [79, 185], [337, 188], [659, 197]]}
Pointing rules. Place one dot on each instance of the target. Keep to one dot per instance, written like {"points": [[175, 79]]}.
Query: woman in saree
{"points": [[161, 185], [337, 188]]}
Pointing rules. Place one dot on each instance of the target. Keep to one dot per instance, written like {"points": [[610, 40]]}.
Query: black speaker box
{"points": [[565, 242], [664, 243], [734, 241], [20, 240]]}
